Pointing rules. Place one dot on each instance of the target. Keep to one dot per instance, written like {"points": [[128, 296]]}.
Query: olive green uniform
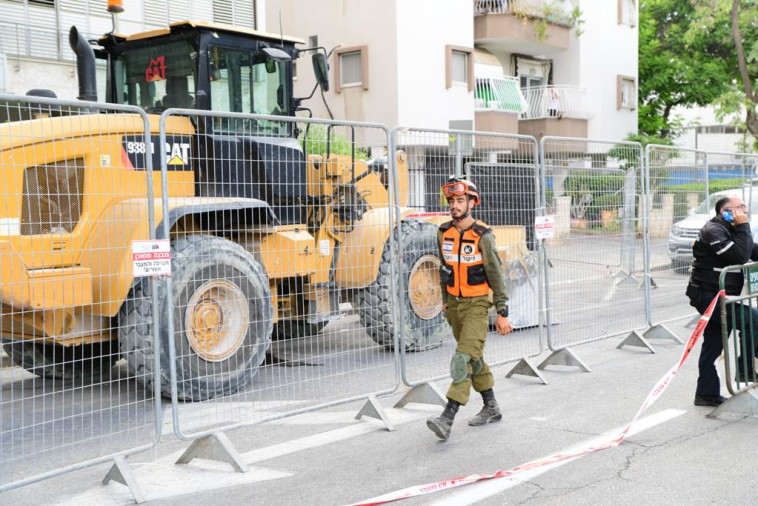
{"points": [[468, 318]]}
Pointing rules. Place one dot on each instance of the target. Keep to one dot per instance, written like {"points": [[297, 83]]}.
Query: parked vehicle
{"points": [[684, 232]]}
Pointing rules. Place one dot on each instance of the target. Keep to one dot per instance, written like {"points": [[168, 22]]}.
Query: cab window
{"points": [[247, 82], [157, 77]]}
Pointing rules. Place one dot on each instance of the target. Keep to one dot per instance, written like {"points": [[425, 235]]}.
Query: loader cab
{"points": [[204, 66]]}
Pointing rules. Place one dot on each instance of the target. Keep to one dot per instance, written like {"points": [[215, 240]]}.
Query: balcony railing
{"points": [[499, 94], [556, 102], [558, 12]]}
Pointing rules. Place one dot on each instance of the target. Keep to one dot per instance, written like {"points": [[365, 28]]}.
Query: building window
{"points": [[459, 66], [626, 95], [234, 12], [627, 12], [351, 67]]}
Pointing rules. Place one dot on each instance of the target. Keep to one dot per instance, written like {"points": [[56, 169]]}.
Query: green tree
{"points": [[675, 68], [733, 25]]}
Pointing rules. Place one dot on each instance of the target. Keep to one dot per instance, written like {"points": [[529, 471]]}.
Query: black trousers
{"points": [[708, 382]]}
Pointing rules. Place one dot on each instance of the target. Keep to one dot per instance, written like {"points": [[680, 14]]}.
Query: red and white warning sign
{"points": [[544, 227], [151, 258]]}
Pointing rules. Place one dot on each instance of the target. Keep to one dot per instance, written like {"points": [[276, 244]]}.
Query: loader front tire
{"points": [[222, 320], [417, 276]]}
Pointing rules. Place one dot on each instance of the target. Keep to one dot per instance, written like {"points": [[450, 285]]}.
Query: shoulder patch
{"points": [[446, 226], [480, 228]]}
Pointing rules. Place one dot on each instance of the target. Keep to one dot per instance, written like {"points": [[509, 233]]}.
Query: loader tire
{"points": [[222, 320], [48, 360], [417, 276]]}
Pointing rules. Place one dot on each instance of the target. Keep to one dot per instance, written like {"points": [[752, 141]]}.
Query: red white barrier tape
{"points": [[613, 439]]}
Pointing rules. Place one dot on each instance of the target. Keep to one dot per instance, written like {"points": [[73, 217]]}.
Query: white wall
{"points": [[347, 23], [607, 49], [425, 27]]}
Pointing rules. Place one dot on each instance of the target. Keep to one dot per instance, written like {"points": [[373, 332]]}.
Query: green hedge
{"points": [[681, 209]]}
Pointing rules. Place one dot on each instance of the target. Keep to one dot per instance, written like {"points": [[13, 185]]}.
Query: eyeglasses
{"points": [[454, 189], [742, 207]]}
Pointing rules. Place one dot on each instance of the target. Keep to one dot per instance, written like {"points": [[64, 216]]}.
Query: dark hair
{"points": [[720, 203]]}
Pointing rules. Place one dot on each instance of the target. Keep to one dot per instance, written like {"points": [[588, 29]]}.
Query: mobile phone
{"points": [[728, 216]]}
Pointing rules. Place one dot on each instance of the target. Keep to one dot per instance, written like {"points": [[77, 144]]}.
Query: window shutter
{"points": [[156, 13], [458, 67], [180, 10], [223, 12], [350, 68], [234, 12]]}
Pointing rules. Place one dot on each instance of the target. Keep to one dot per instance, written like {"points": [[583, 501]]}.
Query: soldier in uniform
{"points": [[470, 269]]}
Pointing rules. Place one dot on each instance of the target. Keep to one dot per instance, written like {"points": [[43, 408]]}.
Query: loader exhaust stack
{"points": [[85, 65]]}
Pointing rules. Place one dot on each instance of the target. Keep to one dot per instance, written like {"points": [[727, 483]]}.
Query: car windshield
{"points": [[707, 206]]}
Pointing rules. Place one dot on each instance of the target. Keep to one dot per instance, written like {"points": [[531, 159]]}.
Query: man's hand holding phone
{"points": [[740, 215]]}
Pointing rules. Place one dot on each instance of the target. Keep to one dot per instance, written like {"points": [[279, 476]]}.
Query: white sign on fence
{"points": [[544, 227], [151, 258]]}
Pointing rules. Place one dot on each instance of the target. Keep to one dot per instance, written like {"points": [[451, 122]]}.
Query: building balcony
{"points": [[533, 27], [498, 103], [555, 110]]}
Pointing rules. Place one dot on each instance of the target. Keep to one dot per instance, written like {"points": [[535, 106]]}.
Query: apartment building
{"points": [[514, 66], [390, 60], [34, 49]]}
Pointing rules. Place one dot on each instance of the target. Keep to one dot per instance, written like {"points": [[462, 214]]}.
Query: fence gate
{"points": [[596, 269], [282, 278], [72, 203], [678, 183], [504, 169]]}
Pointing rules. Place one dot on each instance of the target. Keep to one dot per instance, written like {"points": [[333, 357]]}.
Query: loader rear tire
{"points": [[49, 360], [417, 276], [222, 320]]}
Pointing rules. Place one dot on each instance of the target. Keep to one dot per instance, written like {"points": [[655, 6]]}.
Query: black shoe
{"points": [[709, 400]]}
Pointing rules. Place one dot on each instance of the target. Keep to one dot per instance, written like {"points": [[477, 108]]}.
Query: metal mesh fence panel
{"points": [[71, 204], [596, 263], [281, 246], [679, 182], [504, 169], [676, 206]]}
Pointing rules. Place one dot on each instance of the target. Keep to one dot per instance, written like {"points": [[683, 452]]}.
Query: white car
{"points": [[684, 232]]}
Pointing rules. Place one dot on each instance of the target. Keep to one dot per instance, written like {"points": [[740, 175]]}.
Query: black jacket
{"points": [[719, 245]]}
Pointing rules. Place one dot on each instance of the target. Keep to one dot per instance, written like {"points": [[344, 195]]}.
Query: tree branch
{"points": [[737, 36]]}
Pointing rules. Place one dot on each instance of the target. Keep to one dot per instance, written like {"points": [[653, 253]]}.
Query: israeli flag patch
{"points": [[447, 247]]}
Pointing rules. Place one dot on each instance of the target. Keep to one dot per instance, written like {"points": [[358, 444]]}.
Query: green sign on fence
{"points": [[752, 280]]}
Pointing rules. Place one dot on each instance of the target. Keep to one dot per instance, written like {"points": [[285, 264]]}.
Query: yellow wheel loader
{"points": [[265, 238]]}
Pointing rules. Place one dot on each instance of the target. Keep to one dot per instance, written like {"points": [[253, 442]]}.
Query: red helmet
{"points": [[456, 186]]}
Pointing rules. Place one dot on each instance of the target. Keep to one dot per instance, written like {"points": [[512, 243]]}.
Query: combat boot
{"points": [[443, 423], [490, 412]]}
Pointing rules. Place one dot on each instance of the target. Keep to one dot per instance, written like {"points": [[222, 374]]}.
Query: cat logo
{"points": [[468, 249]]}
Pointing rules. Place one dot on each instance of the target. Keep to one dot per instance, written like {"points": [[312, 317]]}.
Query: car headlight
{"points": [[676, 231]]}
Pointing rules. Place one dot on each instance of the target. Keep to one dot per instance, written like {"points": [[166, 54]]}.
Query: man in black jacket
{"points": [[725, 240]]}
